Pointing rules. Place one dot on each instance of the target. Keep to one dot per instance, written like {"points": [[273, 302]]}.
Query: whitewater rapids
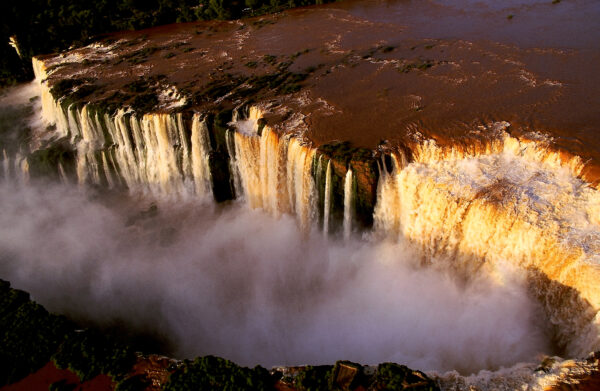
{"points": [[502, 244]]}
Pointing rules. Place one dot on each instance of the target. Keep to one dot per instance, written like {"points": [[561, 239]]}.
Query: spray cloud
{"points": [[241, 284]]}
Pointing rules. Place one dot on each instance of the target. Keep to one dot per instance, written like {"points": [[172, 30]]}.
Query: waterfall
{"points": [[200, 150], [299, 164], [536, 148], [154, 152], [51, 109], [348, 204], [108, 171], [24, 166], [14, 167], [513, 206], [272, 172], [327, 203], [62, 174], [480, 205], [233, 163], [5, 164], [474, 206], [319, 168], [388, 209], [251, 175], [157, 153]]}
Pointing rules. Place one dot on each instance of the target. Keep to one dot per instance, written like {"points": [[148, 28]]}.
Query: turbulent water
{"points": [[477, 260], [237, 282]]}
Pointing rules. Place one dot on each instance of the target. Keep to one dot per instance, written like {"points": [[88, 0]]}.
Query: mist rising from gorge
{"points": [[240, 284]]}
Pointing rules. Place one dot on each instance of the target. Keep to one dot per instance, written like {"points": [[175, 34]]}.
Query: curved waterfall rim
{"points": [[426, 152]]}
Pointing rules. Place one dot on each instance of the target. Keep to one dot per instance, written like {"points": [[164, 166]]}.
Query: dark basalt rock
{"points": [[347, 375], [392, 376], [363, 163], [218, 158], [44, 162], [221, 177], [215, 373], [350, 376]]}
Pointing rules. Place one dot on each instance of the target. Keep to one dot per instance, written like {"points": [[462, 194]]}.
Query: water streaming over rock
{"points": [[348, 204], [327, 203], [199, 155], [5, 164], [153, 152], [510, 205], [63, 175], [481, 206], [270, 171]]}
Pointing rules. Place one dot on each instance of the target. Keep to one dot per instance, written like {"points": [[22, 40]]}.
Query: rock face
{"points": [[354, 119]]}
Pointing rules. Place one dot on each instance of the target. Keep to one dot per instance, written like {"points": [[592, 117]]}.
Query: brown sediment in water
{"points": [[372, 74], [389, 74]]}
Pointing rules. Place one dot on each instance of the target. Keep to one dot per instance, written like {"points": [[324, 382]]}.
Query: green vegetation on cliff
{"points": [[89, 354], [314, 378], [46, 26], [392, 376], [215, 373], [29, 335], [347, 375], [44, 162]]}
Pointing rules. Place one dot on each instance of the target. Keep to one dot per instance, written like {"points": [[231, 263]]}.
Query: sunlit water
{"points": [[258, 289]]}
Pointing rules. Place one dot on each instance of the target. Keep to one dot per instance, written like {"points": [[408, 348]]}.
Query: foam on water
{"points": [[482, 257]]}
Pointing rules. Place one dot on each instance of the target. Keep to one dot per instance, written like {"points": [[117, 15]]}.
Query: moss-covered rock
{"points": [[365, 174], [68, 86], [366, 177], [314, 378], [29, 335], [45, 162], [89, 354], [145, 102], [392, 376], [348, 375], [222, 187], [215, 373]]}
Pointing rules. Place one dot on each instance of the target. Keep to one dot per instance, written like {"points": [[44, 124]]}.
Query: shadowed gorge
{"points": [[325, 183]]}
